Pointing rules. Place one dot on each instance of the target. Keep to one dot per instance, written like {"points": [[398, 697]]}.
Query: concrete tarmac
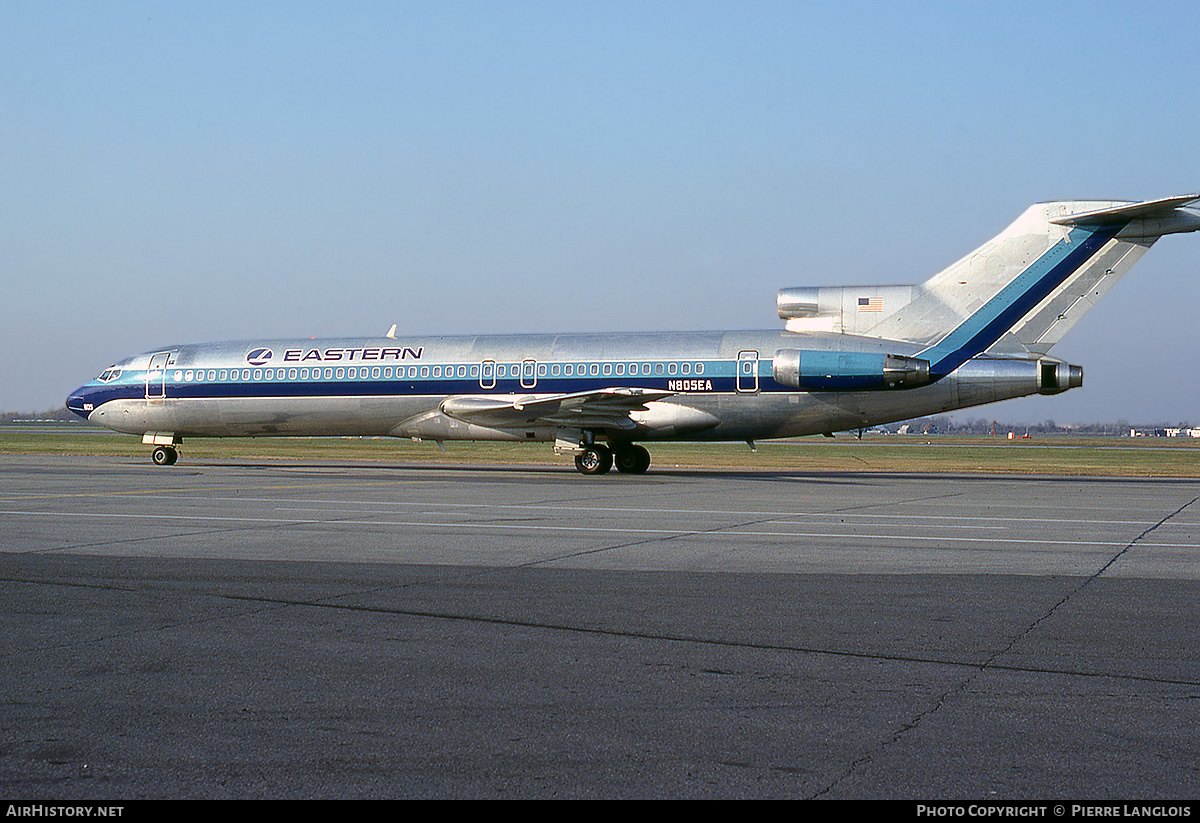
{"points": [[294, 629]]}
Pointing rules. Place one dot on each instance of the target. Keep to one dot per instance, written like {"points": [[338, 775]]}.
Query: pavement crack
{"points": [[1087, 581], [989, 664]]}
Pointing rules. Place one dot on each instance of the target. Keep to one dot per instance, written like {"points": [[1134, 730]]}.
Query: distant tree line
{"points": [[944, 424], [60, 414]]}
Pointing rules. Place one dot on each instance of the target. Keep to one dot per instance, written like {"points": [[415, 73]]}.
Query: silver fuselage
{"points": [[713, 386]]}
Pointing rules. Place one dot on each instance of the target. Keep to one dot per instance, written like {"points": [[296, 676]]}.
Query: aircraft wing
{"points": [[602, 408]]}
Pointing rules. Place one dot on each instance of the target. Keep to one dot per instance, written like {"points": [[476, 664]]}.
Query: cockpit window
{"points": [[109, 374]]}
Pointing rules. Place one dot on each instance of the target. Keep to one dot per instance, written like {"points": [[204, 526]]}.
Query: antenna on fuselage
{"points": [[391, 333]]}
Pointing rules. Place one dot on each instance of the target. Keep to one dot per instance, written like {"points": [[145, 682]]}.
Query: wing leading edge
{"points": [[602, 408]]}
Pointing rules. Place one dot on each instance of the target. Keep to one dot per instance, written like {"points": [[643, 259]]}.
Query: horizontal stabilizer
{"points": [[1131, 211]]}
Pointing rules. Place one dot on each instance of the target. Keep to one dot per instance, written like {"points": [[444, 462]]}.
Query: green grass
{"points": [[1115, 456]]}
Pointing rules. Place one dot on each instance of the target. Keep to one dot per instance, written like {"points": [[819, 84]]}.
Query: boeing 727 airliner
{"points": [[848, 357]]}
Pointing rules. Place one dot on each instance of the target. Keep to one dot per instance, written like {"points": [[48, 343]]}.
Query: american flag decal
{"points": [[870, 304]]}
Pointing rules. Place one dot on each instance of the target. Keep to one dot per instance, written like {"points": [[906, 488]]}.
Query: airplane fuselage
{"points": [[718, 386]]}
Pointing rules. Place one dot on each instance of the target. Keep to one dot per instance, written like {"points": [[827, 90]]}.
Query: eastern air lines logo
{"points": [[259, 357]]}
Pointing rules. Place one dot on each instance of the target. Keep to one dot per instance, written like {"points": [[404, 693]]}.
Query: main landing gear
{"points": [[598, 459]]}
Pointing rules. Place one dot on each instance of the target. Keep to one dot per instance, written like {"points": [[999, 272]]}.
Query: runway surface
{"points": [[289, 629]]}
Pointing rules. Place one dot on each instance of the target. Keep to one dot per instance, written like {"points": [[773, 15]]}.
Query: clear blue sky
{"points": [[178, 171]]}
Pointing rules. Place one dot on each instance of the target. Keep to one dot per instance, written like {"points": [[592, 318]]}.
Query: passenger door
{"points": [[747, 372], [156, 375]]}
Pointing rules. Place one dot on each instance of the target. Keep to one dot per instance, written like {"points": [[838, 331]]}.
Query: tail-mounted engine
{"points": [[1054, 376], [841, 309], [848, 371]]}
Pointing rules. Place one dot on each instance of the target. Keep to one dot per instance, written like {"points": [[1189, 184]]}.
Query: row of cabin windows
{"points": [[415, 372], [596, 369]]}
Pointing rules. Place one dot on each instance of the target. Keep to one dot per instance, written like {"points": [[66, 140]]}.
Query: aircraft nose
{"points": [[77, 401]]}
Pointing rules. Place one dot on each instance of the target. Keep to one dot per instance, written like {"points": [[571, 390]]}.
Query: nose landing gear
{"points": [[166, 447]]}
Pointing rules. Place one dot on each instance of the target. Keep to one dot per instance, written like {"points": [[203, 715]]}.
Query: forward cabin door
{"points": [[156, 376]]}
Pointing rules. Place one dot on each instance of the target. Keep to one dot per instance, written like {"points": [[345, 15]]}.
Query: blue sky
{"points": [[176, 172]]}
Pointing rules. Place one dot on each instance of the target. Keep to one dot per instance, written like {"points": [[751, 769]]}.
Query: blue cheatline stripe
{"points": [[1014, 301], [718, 377]]}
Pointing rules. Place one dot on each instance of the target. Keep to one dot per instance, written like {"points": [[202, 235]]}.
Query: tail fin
{"points": [[1139, 225], [1020, 292]]}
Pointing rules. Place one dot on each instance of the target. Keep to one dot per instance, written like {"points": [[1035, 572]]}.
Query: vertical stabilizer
{"points": [[1022, 290]]}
